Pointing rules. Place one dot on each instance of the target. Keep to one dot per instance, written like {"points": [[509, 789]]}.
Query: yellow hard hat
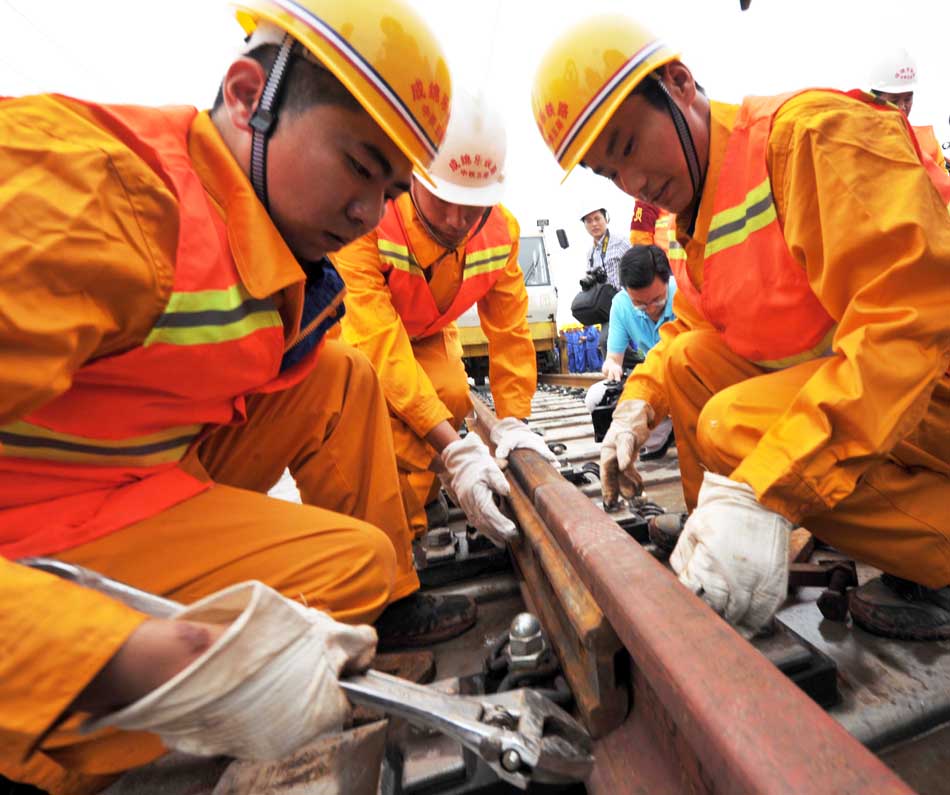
{"points": [[382, 52], [585, 75]]}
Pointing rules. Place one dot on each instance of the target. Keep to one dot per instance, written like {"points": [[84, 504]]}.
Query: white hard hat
{"points": [[589, 206], [894, 73], [470, 166]]}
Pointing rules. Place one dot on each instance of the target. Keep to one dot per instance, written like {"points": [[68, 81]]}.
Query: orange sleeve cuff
{"points": [[58, 636]]}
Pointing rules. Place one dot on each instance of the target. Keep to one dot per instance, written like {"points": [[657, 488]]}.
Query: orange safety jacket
{"points": [[665, 233], [932, 157], [754, 292], [486, 255], [106, 453]]}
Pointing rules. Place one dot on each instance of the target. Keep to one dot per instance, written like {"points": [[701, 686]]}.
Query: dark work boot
{"points": [[423, 619], [896, 608]]}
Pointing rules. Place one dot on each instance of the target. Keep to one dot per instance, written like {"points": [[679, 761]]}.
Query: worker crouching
{"points": [[438, 250], [166, 295], [806, 370]]}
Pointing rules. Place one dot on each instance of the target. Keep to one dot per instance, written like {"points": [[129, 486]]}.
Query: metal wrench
{"points": [[520, 734]]}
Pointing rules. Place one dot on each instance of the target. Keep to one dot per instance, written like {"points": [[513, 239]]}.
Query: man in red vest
{"points": [[165, 296], [806, 372], [439, 249]]}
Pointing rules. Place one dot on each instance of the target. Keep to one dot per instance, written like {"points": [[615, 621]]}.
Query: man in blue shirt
{"points": [[644, 303]]}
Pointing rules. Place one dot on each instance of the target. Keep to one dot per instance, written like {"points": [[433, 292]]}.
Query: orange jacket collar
{"points": [[263, 260]]}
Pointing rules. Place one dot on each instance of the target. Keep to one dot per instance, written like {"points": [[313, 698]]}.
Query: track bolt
{"points": [[511, 760]]}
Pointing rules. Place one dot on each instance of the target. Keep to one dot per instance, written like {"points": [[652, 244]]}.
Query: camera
{"points": [[596, 276]]}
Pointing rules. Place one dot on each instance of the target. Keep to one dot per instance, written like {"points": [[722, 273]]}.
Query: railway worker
{"points": [[164, 297], [439, 249], [893, 79], [806, 372]]}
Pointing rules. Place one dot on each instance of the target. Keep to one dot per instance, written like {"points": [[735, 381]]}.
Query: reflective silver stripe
{"points": [[751, 212]]}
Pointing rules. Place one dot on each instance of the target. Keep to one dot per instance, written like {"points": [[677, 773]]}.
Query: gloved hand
{"points": [[471, 477], [265, 688], [512, 434], [734, 554], [628, 431], [611, 370]]}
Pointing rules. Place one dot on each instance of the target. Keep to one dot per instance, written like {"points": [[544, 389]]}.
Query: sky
{"points": [[122, 51]]}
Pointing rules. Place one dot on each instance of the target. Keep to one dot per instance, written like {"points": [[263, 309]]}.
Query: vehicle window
{"points": [[533, 262]]}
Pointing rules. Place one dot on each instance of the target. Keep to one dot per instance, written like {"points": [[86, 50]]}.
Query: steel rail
{"points": [[710, 714], [581, 380]]}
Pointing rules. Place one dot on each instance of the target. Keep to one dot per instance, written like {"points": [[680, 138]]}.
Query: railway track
{"points": [[676, 701], [706, 715], [707, 711]]}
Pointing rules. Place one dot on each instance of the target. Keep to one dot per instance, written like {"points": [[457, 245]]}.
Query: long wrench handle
{"points": [[144, 602]]}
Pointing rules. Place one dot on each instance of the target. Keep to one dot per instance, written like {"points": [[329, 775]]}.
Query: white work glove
{"points": [[512, 434], [611, 370], [734, 554], [472, 477], [265, 688], [628, 430]]}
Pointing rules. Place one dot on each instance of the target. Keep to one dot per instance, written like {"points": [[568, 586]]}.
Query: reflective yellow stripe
{"points": [[733, 226], [398, 257], [210, 316], [486, 261], [823, 348], [25, 440], [676, 251]]}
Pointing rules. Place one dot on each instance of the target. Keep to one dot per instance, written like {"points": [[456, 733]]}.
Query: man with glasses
{"points": [[644, 303]]}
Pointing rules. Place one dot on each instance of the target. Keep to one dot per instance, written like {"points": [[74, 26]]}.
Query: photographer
{"points": [[603, 262], [605, 251]]}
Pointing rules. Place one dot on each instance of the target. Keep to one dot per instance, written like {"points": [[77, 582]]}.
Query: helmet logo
{"points": [[552, 120], [905, 73], [434, 94], [473, 166]]}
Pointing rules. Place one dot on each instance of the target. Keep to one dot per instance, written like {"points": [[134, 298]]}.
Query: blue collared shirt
{"points": [[633, 327]]}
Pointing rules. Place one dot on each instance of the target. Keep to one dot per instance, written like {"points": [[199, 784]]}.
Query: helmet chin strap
{"points": [[264, 118], [436, 235], [696, 175]]}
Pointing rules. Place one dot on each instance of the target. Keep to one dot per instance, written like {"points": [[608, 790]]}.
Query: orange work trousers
{"points": [[440, 355], [896, 519], [346, 551]]}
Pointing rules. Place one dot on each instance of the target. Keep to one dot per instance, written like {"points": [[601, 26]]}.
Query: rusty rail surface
{"points": [[709, 713], [589, 651], [582, 380]]}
